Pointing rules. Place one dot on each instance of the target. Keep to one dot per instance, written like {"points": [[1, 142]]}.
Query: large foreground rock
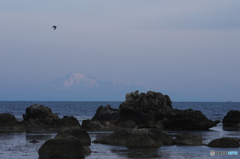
{"points": [[134, 138], [188, 120], [225, 142], [68, 143], [188, 139], [74, 133], [142, 108], [232, 119], [62, 148]]}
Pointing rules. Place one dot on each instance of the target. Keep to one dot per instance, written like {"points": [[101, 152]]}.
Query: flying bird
{"points": [[54, 27]]}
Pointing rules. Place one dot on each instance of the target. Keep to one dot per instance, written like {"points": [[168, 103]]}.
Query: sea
{"points": [[16, 145]]}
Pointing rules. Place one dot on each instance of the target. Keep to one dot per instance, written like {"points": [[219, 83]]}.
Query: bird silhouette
{"points": [[54, 27]]}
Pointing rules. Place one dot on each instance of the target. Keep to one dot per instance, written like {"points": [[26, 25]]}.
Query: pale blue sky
{"points": [[187, 49]]}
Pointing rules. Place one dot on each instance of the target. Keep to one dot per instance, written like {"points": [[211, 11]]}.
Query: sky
{"points": [[186, 49]]}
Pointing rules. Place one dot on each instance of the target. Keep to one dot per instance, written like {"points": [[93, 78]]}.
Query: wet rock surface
{"points": [[90, 125], [8, 122], [188, 120], [68, 143], [106, 114], [188, 139], [69, 121], [232, 119], [225, 142], [136, 138], [162, 136], [74, 133], [127, 124], [62, 148]]}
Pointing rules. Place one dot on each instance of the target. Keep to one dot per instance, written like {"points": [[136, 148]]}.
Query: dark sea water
{"points": [[16, 145]]}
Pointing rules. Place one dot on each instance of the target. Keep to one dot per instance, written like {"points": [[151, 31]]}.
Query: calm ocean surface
{"points": [[16, 145]]}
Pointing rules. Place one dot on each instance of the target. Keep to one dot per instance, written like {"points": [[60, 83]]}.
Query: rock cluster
{"points": [[148, 138], [147, 110], [138, 122], [135, 138], [40, 117]]}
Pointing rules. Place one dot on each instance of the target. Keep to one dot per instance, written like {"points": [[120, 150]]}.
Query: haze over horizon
{"points": [[187, 49]]}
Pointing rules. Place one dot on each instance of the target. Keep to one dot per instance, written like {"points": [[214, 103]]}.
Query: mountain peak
{"points": [[76, 79]]}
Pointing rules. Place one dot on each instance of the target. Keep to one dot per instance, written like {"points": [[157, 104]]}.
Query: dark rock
{"points": [[38, 118], [131, 138], [62, 148], [145, 102], [148, 110], [6, 118], [106, 114], [225, 142], [74, 133], [232, 119], [90, 125], [162, 136], [33, 141], [160, 125], [69, 121], [188, 139], [188, 120], [39, 112], [8, 122], [127, 124], [142, 108]]}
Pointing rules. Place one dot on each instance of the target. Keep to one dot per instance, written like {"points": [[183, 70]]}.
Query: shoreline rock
{"points": [[148, 110], [8, 122], [188, 139], [188, 120], [142, 108], [68, 143], [39, 117], [224, 142], [232, 120], [62, 148], [131, 138], [74, 133]]}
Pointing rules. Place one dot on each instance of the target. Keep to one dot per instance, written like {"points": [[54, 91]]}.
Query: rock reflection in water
{"points": [[38, 137], [138, 152]]}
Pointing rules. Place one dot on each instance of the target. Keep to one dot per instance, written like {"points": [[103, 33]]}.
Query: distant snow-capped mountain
{"points": [[76, 86]]}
